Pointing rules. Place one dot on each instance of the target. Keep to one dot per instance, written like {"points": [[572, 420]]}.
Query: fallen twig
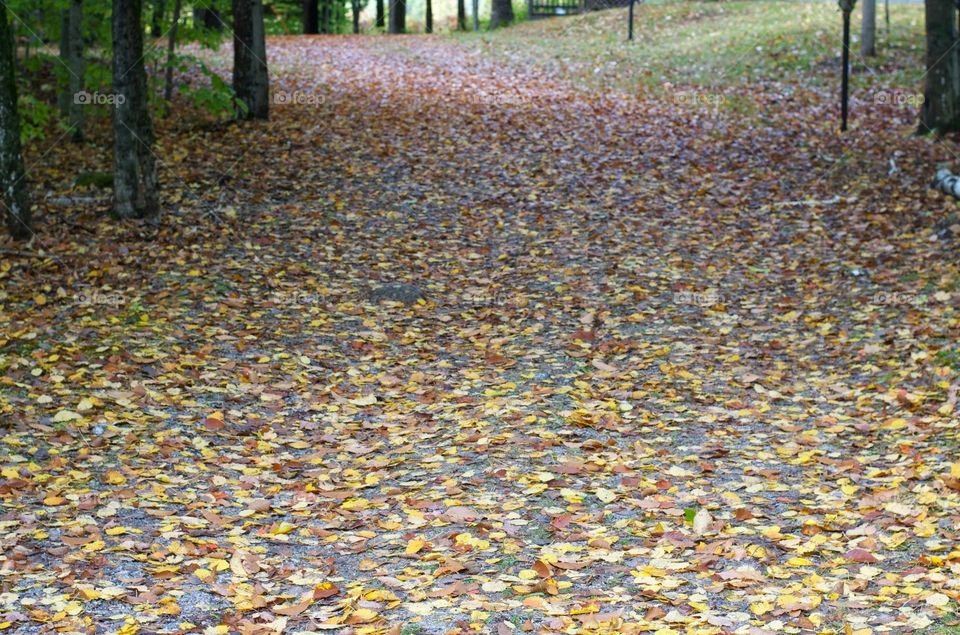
{"points": [[814, 202], [17, 253]]}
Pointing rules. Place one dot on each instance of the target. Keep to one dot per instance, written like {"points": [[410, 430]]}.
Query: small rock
{"points": [[397, 292]]}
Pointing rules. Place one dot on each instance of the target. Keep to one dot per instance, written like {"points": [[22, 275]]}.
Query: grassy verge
{"points": [[710, 45]]}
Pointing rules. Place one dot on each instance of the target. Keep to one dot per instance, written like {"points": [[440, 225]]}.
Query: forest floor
{"points": [[674, 369]]}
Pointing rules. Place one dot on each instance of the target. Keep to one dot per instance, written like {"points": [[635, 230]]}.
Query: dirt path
{"points": [[626, 323]]}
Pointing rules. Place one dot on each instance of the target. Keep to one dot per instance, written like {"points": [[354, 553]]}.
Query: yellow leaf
{"points": [[114, 477], [355, 504], [366, 400], [493, 586], [362, 615], [606, 495], [895, 424], [799, 562], [937, 599], [414, 546], [759, 608], [65, 415]]}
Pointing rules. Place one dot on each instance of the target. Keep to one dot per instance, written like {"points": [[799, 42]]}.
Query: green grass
{"points": [[954, 629], [709, 45]]}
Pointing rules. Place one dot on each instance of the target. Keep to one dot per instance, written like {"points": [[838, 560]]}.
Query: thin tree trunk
{"points": [[476, 15], [501, 13], [381, 20], [12, 173], [886, 16], [398, 16], [134, 164], [355, 11], [461, 15], [171, 50], [325, 14], [76, 67], [868, 29], [64, 98], [941, 93], [209, 19], [428, 26], [250, 80], [311, 17], [156, 19]]}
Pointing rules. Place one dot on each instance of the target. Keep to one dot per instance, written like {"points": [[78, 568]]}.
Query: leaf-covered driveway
{"points": [[660, 379]]}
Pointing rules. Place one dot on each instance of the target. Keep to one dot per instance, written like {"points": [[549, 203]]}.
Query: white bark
{"points": [[946, 182]]}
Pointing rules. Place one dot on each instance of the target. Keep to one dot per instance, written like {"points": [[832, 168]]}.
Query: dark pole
{"points": [[630, 27], [845, 88], [847, 7]]}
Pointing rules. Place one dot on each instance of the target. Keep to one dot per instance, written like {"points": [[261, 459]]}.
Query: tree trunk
{"points": [[311, 17], [134, 164], [355, 13], [76, 69], [501, 13], [171, 49], [380, 17], [250, 80], [156, 18], [325, 16], [941, 92], [476, 15], [398, 16], [208, 19], [461, 15], [12, 173], [428, 24], [868, 29], [64, 98]]}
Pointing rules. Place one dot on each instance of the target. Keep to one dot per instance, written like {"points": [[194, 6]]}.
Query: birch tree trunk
{"points": [[134, 164], [250, 79], [941, 92], [12, 174]]}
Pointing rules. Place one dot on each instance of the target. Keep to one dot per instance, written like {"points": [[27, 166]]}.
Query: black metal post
{"points": [[630, 26], [845, 85]]}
